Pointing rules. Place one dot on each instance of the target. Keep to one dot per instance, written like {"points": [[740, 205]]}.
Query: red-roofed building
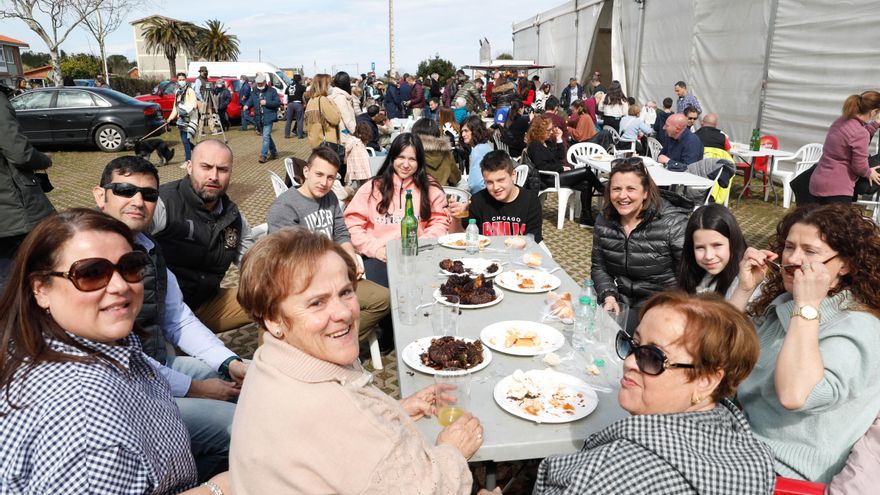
{"points": [[10, 59]]}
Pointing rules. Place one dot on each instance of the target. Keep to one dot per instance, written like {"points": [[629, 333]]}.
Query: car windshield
{"points": [[284, 77]]}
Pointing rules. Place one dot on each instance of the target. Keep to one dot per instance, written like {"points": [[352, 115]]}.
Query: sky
{"points": [[330, 35]]}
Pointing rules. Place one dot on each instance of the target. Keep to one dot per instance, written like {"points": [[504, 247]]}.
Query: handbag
{"points": [[335, 147], [42, 179]]}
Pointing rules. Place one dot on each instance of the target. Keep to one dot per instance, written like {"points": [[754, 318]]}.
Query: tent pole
{"points": [[768, 46], [637, 64]]}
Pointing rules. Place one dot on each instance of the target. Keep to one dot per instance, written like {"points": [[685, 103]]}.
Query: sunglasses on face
{"points": [[126, 190], [691, 118], [649, 358], [791, 269], [92, 274]]}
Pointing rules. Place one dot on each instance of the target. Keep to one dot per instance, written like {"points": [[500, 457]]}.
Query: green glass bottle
{"points": [[409, 228], [756, 140]]}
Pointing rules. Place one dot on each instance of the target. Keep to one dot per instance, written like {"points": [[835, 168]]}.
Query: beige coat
{"points": [[323, 125]]}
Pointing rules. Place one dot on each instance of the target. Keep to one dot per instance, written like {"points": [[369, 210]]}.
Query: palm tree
{"points": [[171, 36], [215, 45]]}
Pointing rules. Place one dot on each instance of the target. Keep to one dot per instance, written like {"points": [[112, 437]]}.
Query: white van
{"points": [[277, 77]]}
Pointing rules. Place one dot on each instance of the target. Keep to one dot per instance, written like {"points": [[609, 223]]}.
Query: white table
{"points": [[659, 174], [748, 156], [506, 437]]}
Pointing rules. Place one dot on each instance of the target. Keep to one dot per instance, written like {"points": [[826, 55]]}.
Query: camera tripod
{"points": [[209, 118]]}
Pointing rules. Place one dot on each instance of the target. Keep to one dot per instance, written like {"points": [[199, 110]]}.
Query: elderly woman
{"points": [[684, 436], [638, 239], [308, 419], [816, 389], [83, 408]]}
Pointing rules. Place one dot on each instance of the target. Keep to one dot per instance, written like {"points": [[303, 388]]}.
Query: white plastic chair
{"points": [[288, 166], [277, 183], [873, 204], [583, 149], [803, 159], [459, 194], [710, 188], [522, 173], [259, 231], [563, 194], [614, 134], [654, 147], [622, 147], [370, 151]]}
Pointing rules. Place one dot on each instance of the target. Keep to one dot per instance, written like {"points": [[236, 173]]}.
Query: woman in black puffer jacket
{"points": [[638, 239]]}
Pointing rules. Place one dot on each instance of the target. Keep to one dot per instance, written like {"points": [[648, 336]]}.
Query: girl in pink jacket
{"points": [[373, 216]]}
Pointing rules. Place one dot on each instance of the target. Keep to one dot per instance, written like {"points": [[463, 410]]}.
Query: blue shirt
{"points": [[683, 151], [475, 174], [183, 329], [688, 100], [94, 427]]}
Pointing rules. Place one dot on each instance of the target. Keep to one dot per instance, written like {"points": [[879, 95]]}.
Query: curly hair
{"points": [[537, 132], [857, 242]]}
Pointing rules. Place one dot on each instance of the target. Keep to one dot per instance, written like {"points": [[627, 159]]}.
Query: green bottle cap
{"points": [[472, 220], [599, 363]]}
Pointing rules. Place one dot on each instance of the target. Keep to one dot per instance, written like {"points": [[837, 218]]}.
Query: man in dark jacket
{"points": [[572, 92], [416, 102], [243, 95], [683, 147], [202, 232], [393, 100], [265, 101], [223, 98], [406, 93], [369, 117], [22, 201]]}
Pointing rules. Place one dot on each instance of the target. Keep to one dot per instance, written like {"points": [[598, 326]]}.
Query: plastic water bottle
{"points": [[585, 317], [472, 237]]}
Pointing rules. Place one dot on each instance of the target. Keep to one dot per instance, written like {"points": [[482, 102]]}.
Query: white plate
{"points": [[499, 295], [601, 158], [551, 380], [493, 336], [456, 241], [412, 356], [476, 267], [543, 281]]}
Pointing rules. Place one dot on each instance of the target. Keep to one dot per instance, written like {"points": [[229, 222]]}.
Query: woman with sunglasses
{"points": [[638, 240], [816, 389], [685, 436], [82, 407], [713, 247]]}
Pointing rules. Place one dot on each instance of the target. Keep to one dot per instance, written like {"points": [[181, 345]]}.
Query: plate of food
{"points": [[457, 241], [470, 266], [432, 354], [545, 396], [528, 281], [473, 293], [522, 338], [599, 157]]}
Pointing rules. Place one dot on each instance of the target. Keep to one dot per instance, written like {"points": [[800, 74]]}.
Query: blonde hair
{"points": [[320, 85]]}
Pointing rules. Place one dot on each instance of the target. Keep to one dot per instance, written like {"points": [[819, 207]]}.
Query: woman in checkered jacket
{"points": [[687, 356]]}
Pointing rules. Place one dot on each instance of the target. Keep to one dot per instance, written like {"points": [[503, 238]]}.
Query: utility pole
{"points": [[391, 38]]}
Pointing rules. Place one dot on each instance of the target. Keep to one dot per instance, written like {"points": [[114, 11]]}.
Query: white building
{"points": [[152, 64]]}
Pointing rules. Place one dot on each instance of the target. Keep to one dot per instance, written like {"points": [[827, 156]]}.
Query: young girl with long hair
{"points": [[713, 248]]}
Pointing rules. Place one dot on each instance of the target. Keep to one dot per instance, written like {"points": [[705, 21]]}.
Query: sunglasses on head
{"points": [[126, 190], [92, 274], [649, 358], [634, 161]]}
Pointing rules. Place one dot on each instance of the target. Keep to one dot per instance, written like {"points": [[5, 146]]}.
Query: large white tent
{"points": [[811, 53]]}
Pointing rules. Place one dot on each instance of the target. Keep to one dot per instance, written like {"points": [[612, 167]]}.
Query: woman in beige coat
{"points": [[322, 115]]}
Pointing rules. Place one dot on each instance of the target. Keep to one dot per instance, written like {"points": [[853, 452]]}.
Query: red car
{"points": [[163, 94]]}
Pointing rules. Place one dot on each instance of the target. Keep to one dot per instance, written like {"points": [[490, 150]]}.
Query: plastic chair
{"points": [[375, 354], [259, 231], [277, 183], [654, 147], [760, 164], [522, 173], [615, 136], [583, 149], [459, 194], [563, 194], [370, 151], [717, 193], [288, 166], [788, 486], [873, 204], [805, 157]]}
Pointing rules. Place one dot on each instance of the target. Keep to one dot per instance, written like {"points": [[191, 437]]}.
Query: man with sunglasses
{"points": [[202, 233], [201, 384]]}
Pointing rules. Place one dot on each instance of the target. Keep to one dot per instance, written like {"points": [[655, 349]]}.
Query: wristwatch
{"points": [[224, 368], [806, 312]]}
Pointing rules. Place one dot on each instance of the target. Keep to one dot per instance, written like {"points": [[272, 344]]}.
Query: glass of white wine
{"points": [[452, 393]]}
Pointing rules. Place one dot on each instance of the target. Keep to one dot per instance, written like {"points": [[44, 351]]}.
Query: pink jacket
{"points": [[861, 475], [371, 230], [844, 158]]}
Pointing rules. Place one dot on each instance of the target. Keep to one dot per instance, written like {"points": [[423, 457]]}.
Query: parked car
{"points": [[84, 115], [163, 94]]}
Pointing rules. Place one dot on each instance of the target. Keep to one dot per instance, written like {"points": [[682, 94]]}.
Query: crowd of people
{"points": [[740, 363]]}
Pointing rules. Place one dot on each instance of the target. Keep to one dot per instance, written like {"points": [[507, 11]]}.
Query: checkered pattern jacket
{"points": [[84, 428], [708, 453]]}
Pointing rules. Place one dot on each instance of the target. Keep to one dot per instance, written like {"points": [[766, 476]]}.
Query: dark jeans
{"points": [[247, 119], [8, 248], [376, 271], [862, 188], [224, 119], [613, 122], [293, 113], [580, 179], [187, 145]]}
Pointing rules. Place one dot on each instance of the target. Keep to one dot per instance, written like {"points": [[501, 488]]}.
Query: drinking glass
{"points": [[409, 297], [452, 394], [444, 317]]}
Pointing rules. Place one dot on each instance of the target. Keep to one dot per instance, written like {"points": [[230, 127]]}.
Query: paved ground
{"points": [[75, 172]]}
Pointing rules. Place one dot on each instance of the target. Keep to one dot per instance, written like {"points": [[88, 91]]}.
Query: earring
{"points": [[696, 399], [277, 334], [48, 312]]}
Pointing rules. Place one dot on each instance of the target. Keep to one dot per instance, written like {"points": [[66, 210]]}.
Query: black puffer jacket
{"points": [[633, 269]]}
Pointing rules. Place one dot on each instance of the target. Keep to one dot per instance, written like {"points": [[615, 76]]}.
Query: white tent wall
{"points": [[822, 52], [561, 37]]}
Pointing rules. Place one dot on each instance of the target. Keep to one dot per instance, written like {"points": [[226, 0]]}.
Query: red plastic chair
{"points": [[788, 486], [761, 163]]}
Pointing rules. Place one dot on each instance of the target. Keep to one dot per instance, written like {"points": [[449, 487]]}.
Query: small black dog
{"points": [[146, 148]]}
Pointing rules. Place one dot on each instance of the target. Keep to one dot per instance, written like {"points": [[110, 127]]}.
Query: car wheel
{"points": [[110, 138]]}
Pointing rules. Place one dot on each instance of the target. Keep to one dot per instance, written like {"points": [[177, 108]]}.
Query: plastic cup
{"points": [[409, 296], [444, 317], [452, 394]]}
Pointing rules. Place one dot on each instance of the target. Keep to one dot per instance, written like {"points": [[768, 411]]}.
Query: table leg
{"points": [[747, 185], [491, 476]]}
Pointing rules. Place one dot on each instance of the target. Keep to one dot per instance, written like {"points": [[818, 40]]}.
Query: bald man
{"points": [[682, 148], [710, 135], [202, 232]]}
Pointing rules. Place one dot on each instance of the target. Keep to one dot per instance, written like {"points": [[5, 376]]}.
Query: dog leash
{"points": [[153, 132]]}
